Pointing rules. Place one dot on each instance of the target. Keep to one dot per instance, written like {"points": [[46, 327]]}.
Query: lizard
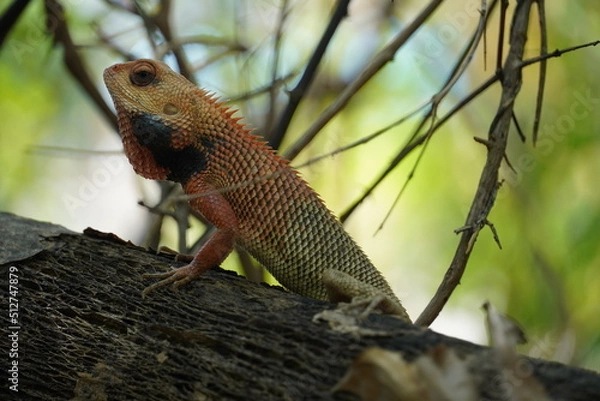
{"points": [[173, 130]]}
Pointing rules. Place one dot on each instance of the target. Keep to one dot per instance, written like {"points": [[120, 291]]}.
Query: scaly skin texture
{"points": [[172, 130]]}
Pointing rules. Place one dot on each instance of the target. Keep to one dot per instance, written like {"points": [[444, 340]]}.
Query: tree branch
{"points": [[85, 330]]}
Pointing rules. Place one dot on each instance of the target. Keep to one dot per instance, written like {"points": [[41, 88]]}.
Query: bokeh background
{"points": [[61, 161]]}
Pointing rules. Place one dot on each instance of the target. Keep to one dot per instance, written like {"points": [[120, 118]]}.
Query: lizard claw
{"points": [[177, 277]]}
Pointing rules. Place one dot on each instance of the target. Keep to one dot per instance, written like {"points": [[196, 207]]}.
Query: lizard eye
{"points": [[142, 74]]}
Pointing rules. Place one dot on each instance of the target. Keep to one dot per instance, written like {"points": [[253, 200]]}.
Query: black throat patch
{"points": [[152, 133]]}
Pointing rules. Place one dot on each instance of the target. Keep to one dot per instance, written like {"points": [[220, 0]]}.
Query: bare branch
{"points": [[364, 140], [262, 89], [558, 53], [542, 78], [161, 19], [10, 17], [518, 127], [283, 13], [502, 27]]}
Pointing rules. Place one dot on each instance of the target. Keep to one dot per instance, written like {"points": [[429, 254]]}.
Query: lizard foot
{"points": [[177, 277], [362, 307], [347, 317], [363, 297]]}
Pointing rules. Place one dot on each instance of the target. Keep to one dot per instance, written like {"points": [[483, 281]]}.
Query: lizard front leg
{"points": [[216, 209]]}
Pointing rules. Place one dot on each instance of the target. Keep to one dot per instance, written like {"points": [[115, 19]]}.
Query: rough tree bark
{"points": [[86, 334]]}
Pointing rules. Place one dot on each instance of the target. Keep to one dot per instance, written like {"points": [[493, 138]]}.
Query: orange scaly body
{"points": [[172, 130]]}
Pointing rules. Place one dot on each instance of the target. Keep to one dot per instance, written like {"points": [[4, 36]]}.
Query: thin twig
{"points": [[262, 89], [484, 39], [10, 17], [283, 13], [162, 22], [205, 40], [502, 26], [364, 140], [108, 41], [558, 53], [215, 58], [64, 151], [168, 191], [518, 127], [542, 77]]}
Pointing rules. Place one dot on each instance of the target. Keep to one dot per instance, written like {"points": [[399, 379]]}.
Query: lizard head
{"points": [[149, 86], [159, 114]]}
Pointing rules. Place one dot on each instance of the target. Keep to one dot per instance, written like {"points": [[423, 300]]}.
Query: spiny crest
{"points": [[223, 109]]}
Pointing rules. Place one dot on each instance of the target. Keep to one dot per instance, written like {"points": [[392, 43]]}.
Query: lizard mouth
{"points": [[111, 77]]}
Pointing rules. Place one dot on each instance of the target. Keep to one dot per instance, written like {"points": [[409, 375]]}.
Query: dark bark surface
{"points": [[85, 333]]}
